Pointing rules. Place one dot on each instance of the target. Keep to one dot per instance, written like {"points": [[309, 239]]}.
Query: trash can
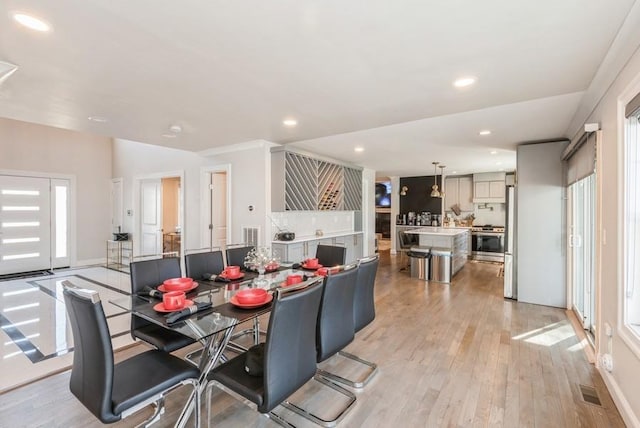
{"points": [[419, 257], [441, 265]]}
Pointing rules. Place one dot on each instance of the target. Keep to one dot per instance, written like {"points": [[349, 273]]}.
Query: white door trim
{"points": [[205, 197], [137, 179]]}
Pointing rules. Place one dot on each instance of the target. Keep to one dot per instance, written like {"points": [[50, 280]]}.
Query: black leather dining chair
{"points": [[289, 352], [334, 330], [199, 264], [236, 255], [364, 312], [115, 391], [151, 273], [331, 255]]}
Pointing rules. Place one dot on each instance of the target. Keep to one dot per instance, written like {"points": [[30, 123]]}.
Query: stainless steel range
{"points": [[487, 243]]}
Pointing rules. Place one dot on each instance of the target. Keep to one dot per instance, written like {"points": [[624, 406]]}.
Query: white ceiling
{"points": [[374, 73]]}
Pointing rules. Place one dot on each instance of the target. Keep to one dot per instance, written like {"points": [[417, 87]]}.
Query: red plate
{"points": [[235, 302], [232, 278], [160, 306], [194, 285], [304, 266]]}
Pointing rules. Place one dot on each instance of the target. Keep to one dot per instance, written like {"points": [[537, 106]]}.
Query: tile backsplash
{"points": [[305, 223]]}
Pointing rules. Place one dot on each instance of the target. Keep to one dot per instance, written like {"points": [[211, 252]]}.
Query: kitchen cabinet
{"points": [[298, 251], [458, 190], [489, 188], [301, 182]]}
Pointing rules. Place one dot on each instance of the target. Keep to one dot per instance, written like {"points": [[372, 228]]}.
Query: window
{"points": [[631, 212]]}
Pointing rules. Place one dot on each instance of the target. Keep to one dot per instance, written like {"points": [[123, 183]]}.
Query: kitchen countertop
{"points": [[316, 238], [443, 231]]}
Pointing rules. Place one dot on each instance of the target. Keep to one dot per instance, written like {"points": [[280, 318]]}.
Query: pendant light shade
{"points": [[442, 167], [435, 193]]}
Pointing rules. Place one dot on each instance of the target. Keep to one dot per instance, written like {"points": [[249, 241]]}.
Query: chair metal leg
{"points": [[357, 384], [317, 419]]}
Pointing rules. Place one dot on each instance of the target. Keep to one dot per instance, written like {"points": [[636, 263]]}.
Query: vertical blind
{"points": [[582, 161]]}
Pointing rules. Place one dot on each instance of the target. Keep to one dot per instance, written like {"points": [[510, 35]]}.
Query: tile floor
{"points": [[34, 331]]}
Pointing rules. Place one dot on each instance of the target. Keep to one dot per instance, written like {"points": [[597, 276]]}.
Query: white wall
{"points": [[248, 169], [368, 211], [36, 148], [623, 381]]}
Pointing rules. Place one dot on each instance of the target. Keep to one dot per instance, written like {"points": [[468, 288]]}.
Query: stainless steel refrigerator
{"points": [[510, 286]]}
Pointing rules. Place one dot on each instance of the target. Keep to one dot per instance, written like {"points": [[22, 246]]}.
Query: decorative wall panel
{"points": [[352, 189]]}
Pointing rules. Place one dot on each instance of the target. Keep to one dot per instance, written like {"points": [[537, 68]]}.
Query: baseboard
{"points": [[629, 417], [90, 262]]}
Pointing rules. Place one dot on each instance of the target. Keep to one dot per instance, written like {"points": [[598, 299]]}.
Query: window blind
{"points": [[582, 162]]}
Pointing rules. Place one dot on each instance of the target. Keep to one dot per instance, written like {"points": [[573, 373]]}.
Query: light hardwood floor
{"points": [[454, 355]]}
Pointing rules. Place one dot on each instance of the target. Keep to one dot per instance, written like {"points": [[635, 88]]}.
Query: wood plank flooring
{"points": [[454, 355]]}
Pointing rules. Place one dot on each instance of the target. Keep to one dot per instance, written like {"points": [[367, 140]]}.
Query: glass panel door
{"points": [[582, 249]]}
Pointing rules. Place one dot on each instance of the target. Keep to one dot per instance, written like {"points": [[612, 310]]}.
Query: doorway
{"points": [[159, 224], [34, 223], [216, 211]]}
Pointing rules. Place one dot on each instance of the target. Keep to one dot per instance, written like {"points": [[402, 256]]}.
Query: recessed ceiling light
{"points": [[454, 172], [359, 149], [485, 132], [99, 119], [31, 22], [290, 122], [494, 152], [176, 129], [463, 82]]}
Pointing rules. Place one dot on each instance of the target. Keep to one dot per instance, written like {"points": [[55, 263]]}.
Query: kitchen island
{"points": [[455, 239]]}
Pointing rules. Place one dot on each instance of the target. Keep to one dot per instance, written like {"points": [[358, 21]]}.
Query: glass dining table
{"points": [[212, 327]]}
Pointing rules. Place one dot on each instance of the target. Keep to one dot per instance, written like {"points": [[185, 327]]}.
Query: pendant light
{"points": [[434, 189], [442, 167]]}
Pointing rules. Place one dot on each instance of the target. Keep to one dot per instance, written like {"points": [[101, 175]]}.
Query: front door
{"points": [[151, 217], [25, 226]]}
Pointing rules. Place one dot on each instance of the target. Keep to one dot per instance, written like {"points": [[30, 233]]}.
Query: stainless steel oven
{"points": [[487, 245]]}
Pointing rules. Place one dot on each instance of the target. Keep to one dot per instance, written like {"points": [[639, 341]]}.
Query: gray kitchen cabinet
{"points": [[489, 187], [290, 252], [354, 248], [458, 190], [299, 251]]}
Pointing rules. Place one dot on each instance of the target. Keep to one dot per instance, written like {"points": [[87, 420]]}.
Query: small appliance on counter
{"points": [[285, 236]]}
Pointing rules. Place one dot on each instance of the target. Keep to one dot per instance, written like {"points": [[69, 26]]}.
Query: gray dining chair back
{"points": [[335, 328], [199, 264], [289, 351], [334, 331], [152, 273], [112, 392], [363, 314], [364, 311], [236, 255], [331, 255]]}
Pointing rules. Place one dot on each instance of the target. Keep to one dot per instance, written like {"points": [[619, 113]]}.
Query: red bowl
{"points": [[271, 267], [177, 284], [251, 295]]}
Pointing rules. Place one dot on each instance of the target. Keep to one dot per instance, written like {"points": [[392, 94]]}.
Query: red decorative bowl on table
{"points": [[271, 267], [251, 296], [178, 284]]}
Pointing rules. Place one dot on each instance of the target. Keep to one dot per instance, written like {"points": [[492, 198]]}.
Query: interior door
{"points": [[25, 224], [218, 226], [151, 217]]}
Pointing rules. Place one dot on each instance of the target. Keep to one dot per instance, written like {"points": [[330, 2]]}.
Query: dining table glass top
{"points": [[223, 314]]}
